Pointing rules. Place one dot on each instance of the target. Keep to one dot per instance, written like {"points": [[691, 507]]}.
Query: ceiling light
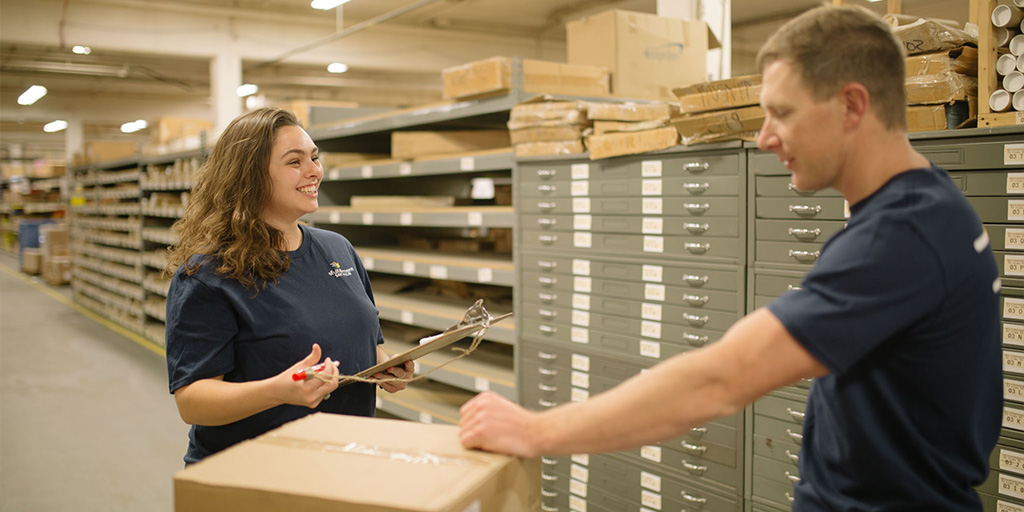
{"points": [[247, 90], [134, 126], [326, 5], [81, 50], [32, 95], [55, 126], [337, 67]]}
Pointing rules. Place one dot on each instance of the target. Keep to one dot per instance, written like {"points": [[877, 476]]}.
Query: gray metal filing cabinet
{"points": [[787, 231], [622, 263]]}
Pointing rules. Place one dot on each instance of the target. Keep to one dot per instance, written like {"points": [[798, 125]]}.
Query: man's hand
{"points": [[494, 423]]}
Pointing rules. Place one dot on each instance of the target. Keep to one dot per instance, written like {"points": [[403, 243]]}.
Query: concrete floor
{"points": [[86, 422]]}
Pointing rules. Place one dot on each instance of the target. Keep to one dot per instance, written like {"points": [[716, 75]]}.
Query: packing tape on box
{"points": [[411, 457]]}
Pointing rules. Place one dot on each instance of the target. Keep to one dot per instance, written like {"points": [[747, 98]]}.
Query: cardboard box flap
{"points": [[925, 35]]}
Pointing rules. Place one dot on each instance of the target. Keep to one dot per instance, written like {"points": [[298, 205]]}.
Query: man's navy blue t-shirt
{"points": [[902, 308], [215, 326]]}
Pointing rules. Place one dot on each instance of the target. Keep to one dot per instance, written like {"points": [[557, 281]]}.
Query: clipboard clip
{"points": [[476, 316]]}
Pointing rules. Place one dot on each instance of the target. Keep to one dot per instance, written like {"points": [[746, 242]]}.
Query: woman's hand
{"points": [[314, 389], [405, 371]]}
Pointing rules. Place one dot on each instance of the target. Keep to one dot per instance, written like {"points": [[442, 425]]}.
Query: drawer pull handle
{"points": [[546, 388], [693, 499], [804, 210], [798, 438], [549, 494], [696, 248], [793, 478], [546, 508], [549, 478], [804, 256], [694, 320], [696, 228], [548, 462], [696, 208], [790, 498], [547, 222], [546, 403], [546, 173], [695, 300], [547, 356], [547, 239], [804, 234], [546, 189], [804, 383], [547, 206], [547, 313], [790, 288], [695, 340], [547, 281], [693, 280], [792, 188], [694, 468], [793, 457], [797, 415], [547, 265], [696, 188], [699, 431], [694, 449], [547, 372], [696, 166], [547, 329], [547, 297]]}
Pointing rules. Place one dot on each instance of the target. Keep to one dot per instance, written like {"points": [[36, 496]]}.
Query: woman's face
{"points": [[295, 176]]}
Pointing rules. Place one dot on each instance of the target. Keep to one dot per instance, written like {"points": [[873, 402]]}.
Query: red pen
{"points": [[307, 372]]}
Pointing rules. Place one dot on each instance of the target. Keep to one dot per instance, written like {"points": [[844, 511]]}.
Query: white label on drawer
{"points": [[650, 499], [1013, 361], [582, 222], [367, 218], [405, 168], [650, 187], [652, 206], [481, 384], [335, 217], [581, 458], [1015, 183], [581, 205], [408, 267], [579, 188], [653, 225], [1013, 390], [1013, 154], [426, 418], [578, 335], [580, 318], [653, 273], [581, 267], [651, 453], [846, 209], [579, 473], [1015, 209], [368, 263], [1013, 418], [582, 239], [438, 272], [1011, 461], [366, 171], [1013, 334], [580, 171], [580, 379], [650, 481], [650, 168], [581, 363], [1013, 264], [1002, 506], [1011, 486], [650, 311], [577, 504], [405, 218], [650, 329], [406, 317], [579, 395], [1013, 308], [467, 163], [334, 174], [581, 284], [654, 244], [475, 219], [581, 301], [650, 349], [1014, 238], [578, 488], [485, 275], [654, 292]]}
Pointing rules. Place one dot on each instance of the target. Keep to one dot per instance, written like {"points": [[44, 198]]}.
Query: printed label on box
{"points": [[654, 292], [577, 504], [651, 453], [650, 187], [368, 263], [580, 318], [408, 267], [405, 168], [1015, 183], [1013, 418], [578, 488], [1011, 486], [467, 163], [650, 329], [1013, 264], [650, 481], [1013, 362], [580, 458], [481, 384], [475, 219], [1002, 506], [335, 217], [654, 244], [367, 218], [1015, 209], [438, 272], [650, 349], [334, 174], [580, 379], [650, 499], [1014, 238], [1011, 461], [366, 171], [485, 275], [579, 395], [582, 239], [405, 218], [579, 473], [1013, 308]]}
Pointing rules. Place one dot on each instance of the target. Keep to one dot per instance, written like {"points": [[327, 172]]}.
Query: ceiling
{"points": [[151, 58]]}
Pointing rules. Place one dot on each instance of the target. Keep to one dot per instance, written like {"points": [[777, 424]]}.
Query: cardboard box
{"points": [[631, 143], [546, 133], [44, 168], [740, 123], [736, 92], [630, 111], [925, 118], [962, 59], [55, 239], [168, 129], [105, 150], [57, 269], [647, 55], [303, 109], [603, 127], [409, 145], [940, 88], [350, 463], [564, 147], [925, 35], [31, 260], [494, 76]]}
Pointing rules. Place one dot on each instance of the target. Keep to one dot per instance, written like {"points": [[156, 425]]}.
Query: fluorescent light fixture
{"points": [[81, 50], [247, 90], [55, 126], [32, 95], [133, 126], [337, 67], [326, 5]]}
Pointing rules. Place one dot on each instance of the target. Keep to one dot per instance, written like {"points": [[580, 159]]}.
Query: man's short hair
{"points": [[832, 46]]}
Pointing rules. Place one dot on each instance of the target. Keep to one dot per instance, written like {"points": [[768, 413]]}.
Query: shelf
{"points": [[170, 212], [160, 235], [133, 192], [165, 185], [109, 268], [425, 402], [430, 312], [130, 225], [155, 259], [43, 207], [108, 209], [458, 217], [479, 371], [156, 284], [156, 307], [81, 294], [169, 158], [496, 270], [108, 253], [117, 302], [494, 160], [109, 178], [155, 332], [47, 184], [109, 165], [106, 238], [113, 285]]}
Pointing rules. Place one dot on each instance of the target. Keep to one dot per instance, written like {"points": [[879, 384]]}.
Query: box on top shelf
{"points": [[647, 55], [945, 87], [721, 125], [962, 59], [926, 118], [303, 109], [629, 111], [43, 168], [545, 126], [742, 91], [100, 151], [631, 143], [169, 129], [494, 76], [927, 35], [351, 463], [415, 144]]}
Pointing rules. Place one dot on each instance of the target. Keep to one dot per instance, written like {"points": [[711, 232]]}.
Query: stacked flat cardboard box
{"points": [[173, 134], [55, 248], [494, 76], [630, 128], [544, 126], [720, 110], [941, 75]]}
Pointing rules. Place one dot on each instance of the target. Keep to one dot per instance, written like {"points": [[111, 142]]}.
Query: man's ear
{"points": [[856, 103]]}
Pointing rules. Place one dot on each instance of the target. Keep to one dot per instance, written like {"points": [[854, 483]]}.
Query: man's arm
{"points": [[756, 355]]}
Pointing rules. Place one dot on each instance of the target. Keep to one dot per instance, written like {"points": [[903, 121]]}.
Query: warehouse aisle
{"points": [[86, 422]]}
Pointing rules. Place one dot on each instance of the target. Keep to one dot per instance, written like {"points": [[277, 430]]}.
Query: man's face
{"points": [[805, 134]]}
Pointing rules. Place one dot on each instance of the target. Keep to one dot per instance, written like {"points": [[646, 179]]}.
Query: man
{"points": [[898, 322]]}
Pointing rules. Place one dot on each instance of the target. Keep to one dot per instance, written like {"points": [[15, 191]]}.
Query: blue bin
{"points": [[28, 234]]}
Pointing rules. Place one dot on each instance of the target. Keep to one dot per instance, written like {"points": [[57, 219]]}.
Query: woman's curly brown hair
{"points": [[223, 218]]}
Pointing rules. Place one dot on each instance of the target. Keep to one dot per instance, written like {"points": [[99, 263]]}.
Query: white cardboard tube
{"points": [[1013, 82], [1017, 45], [1018, 101], [1006, 64], [999, 100], [1006, 16]]}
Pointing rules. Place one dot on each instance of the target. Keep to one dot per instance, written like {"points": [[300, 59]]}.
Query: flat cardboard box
{"points": [[57, 269], [736, 92], [169, 129], [31, 260], [962, 59], [925, 118], [943, 87], [603, 127], [546, 133], [925, 35], [631, 143], [98, 151], [630, 111], [494, 76], [719, 125], [564, 147], [303, 109], [647, 55], [409, 145], [355, 464]]}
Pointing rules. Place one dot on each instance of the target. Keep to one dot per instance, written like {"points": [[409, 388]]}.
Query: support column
{"points": [[74, 138], [225, 77]]}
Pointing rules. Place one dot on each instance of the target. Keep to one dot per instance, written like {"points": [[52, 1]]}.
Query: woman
{"points": [[256, 296]]}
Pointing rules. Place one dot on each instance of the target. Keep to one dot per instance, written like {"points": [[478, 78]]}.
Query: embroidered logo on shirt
{"points": [[337, 271]]}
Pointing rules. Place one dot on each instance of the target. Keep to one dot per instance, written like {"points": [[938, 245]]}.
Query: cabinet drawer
{"points": [[672, 329], [769, 486], [782, 186], [776, 449], [790, 411], [728, 250], [811, 231], [672, 165], [684, 274], [678, 207], [632, 477], [774, 285], [999, 210], [559, 334], [806, 253], [765, 163], [588, 294], [990, 183], [557, 171], [628, 224], [817, 208], [706, 186], [1006, 237]]}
